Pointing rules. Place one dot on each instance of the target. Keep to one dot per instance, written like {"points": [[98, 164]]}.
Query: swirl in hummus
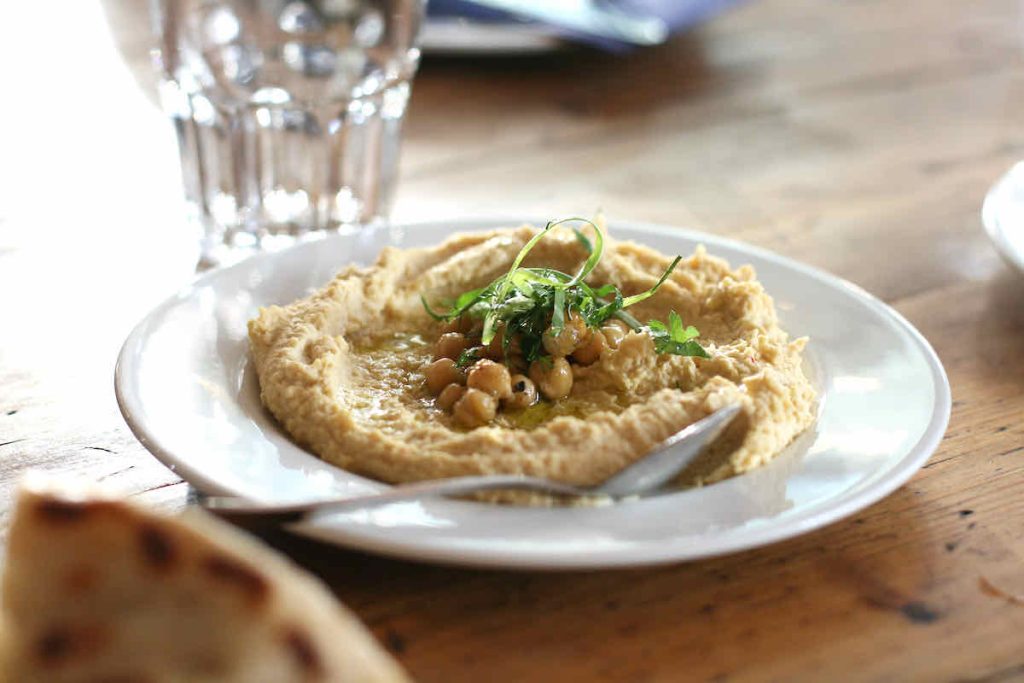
{"points": [[346, 370]]}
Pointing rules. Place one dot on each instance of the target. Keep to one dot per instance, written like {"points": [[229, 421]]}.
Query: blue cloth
{"points": [[677, 14]]}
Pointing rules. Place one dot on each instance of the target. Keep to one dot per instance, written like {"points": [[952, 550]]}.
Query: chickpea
{"points": [[450, 345], [553, 378], [447, 398], [496, 349], [516, 363], [591, 351], [614, 332], [441, 373], [572, 335], [462, 324], [475, 408], [494, 378], [524, 393]]}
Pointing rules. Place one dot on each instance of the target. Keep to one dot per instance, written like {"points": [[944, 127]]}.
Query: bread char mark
{"points": [[64, 511], [158, 547], [62, 645], [303, 650], [228, 571]]}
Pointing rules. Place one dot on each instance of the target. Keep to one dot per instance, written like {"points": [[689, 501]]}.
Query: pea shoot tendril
{"points": [[527, 302]]}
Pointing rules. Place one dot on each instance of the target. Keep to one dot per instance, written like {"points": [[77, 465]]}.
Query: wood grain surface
{"points": [[859, 137]]}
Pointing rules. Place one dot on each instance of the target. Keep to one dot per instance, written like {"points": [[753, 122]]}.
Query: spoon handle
{"points": [[647, 474], [239, 509]]}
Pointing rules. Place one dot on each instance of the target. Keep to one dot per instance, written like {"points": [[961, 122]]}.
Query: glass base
{"points": [[264, 177], [226, 250]]}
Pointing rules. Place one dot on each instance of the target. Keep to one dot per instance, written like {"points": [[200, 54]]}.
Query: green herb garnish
{"points": [[674, 338], [528, 302], [467, 358]]}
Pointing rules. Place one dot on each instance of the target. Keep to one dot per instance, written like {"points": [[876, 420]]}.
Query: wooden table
{"points": [[857, 136]]}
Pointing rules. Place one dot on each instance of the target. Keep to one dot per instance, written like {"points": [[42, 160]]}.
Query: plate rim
{"points": [[992, 223], [843, 507]]}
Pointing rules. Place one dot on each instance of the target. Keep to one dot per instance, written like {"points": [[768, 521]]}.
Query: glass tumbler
{"points": [[288, 114]]}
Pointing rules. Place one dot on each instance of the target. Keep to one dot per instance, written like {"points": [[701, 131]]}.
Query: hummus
{"points": [[342, 370]]}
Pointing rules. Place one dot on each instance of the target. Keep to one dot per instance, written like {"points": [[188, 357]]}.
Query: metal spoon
{"points": [[649, 473]]}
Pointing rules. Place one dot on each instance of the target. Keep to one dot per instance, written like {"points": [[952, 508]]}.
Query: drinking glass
{"points": [[288, 114]]}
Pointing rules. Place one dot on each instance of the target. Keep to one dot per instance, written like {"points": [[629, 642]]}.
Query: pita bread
{"points": [[97, 589]]}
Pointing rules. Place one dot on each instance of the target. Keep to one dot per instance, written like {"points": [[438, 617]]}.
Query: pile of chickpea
{"points": [[473, 395]]}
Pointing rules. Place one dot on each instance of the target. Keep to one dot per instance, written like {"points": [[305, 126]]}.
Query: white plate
{"points": [[1003, 216], [187, 391]]}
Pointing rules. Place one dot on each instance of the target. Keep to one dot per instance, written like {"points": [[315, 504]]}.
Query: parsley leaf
{"points": [[674, 338]]}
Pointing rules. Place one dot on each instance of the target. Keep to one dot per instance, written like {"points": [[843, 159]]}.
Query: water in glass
{"points": [[288, 114]]}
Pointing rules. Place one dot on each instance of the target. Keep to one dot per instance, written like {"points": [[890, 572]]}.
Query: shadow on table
{"points": [[999, 331], [578, 81], [782, 594]]}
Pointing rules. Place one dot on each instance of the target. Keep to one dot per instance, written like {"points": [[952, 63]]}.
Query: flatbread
{"points": [[97, 589]]}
